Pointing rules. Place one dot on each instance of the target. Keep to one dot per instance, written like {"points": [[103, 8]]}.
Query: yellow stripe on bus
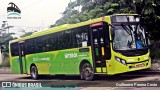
{"points": [[98, 69], [104, 69], [102, 48]]}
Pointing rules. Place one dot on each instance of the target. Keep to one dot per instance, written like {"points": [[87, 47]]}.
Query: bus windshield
{"points": [[129, 37]]}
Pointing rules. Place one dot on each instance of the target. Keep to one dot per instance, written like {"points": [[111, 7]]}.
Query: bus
{"points": [[107, 45]]}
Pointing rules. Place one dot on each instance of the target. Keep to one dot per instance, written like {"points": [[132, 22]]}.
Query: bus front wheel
{"points": [[34, 72], [87, 72]]}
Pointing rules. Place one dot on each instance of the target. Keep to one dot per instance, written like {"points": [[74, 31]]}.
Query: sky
{"points": [[35, 14]]}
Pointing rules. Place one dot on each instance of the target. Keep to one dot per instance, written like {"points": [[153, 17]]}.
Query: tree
{"points": [[26, 34], [148, 9], [82, 10], [4, 41]]}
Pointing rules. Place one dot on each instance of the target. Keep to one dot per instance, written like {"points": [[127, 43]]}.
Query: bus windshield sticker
{"points": [[84, 43], [41, 59]]}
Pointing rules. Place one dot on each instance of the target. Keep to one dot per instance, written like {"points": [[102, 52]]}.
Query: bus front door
{"points": [[99, 46], [22, 59]]}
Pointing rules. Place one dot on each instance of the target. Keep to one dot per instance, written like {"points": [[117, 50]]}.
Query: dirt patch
{"points": [[5, 70], [155, 65]]}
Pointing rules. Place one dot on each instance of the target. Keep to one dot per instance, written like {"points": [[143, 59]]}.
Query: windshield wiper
{"points": [[126, 29], [130, 27]]}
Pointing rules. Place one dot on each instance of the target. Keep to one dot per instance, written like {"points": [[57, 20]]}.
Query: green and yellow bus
{"points": [[107, 45]]}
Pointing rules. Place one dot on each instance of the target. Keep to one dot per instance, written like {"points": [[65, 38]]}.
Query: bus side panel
{"points": [[41, 60], [110, 66], [85, 56], [68, 61], [29, 62], [65, 62], [24, 65], [15, 65]]}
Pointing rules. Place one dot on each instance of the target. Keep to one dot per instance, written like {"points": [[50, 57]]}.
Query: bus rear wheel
{"points": [[87, 72], [34, 72]]}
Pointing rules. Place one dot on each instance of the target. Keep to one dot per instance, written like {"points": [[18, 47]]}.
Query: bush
{"points": [[6, 63], [155, 50]]}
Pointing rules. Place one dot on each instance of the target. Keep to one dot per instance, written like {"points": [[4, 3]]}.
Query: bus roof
{"points": [[124, 14], [65, 27]]}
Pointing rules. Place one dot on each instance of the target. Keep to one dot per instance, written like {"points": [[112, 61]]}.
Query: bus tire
{"points": [[34, 72], [87, 72]]}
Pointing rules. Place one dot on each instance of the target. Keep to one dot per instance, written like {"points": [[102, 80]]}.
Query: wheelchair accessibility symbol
{"points": [[139, 44]]}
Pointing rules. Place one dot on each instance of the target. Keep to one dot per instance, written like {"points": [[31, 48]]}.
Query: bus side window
{"points": [[81, 36], [14, 49], [60, 40], [52, 42], [67, 39], [30, 46], [43, 44], [39, 47]]}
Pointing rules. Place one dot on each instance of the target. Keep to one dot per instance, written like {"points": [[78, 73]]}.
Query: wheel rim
{"points": [[33, 72], [88, 72]]}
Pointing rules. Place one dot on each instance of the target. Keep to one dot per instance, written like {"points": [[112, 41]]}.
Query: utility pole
{"points": [[6, 26], [0, 56]]}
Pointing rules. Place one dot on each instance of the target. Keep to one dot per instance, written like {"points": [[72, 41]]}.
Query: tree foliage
{"points": [[26, 34], [82, 10], [4, 42]]}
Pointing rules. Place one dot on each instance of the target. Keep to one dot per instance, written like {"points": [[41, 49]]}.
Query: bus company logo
{"points": [[70, 55], [6, 84], [13, 12]]}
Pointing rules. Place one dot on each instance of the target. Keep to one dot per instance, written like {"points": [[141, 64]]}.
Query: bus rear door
{"points": [[22, 59]]}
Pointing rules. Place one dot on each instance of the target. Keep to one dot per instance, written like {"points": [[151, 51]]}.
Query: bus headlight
{"points": [[120, 60], [123, 62]]}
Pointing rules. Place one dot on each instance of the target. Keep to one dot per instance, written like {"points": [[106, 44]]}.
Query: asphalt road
{"points": [[100, 82]]}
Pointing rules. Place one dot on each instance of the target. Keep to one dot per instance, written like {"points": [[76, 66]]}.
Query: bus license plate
{"points": [[139, 65]]}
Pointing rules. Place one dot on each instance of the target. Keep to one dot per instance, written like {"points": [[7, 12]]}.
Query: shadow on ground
{"points": [[99, 80], [118, 77]]}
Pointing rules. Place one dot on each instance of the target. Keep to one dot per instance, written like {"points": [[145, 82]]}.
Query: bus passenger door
{"points": [[22, 59], [100, 46]]}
